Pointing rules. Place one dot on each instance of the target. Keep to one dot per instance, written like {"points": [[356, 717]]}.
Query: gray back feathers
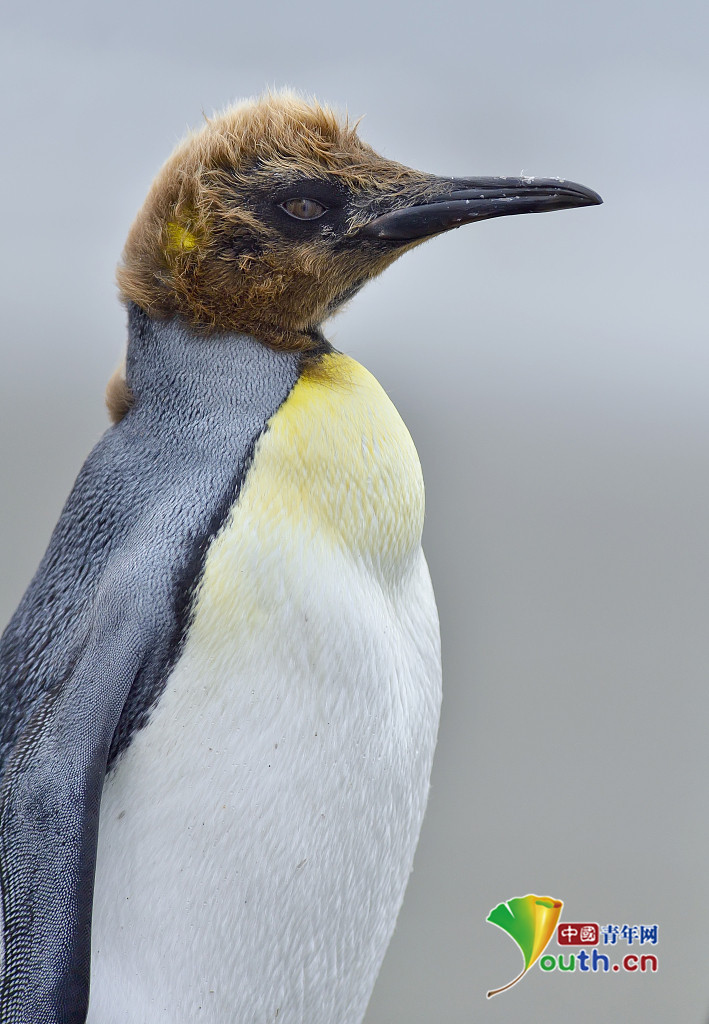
{"points": [[89, 649]]}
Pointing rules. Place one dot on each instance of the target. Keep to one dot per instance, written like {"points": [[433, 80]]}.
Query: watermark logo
{"points": [[532, 921]]}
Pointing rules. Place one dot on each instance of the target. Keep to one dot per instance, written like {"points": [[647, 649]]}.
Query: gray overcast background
{"points": [[554, 372]]}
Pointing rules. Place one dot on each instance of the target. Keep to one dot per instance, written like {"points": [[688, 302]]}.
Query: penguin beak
{"points": [[464, 200]]}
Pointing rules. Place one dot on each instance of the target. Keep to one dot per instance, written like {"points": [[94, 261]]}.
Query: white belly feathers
{"points": [[257, 835]]}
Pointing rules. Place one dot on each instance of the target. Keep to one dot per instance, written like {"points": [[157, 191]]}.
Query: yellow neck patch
{"points": [[341, 460], [336, 470], [333, 499]]}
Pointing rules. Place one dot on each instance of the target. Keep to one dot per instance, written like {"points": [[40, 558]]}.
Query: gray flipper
{"points": [[49, 812], [89, 650]]}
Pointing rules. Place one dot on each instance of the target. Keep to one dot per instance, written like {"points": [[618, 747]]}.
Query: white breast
{"points": [[257, 836]]}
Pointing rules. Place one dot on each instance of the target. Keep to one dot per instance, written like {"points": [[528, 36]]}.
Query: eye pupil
{"points": [[304, 209]]}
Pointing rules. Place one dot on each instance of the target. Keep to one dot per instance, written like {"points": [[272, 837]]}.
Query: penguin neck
{"points": [[180, 376]]}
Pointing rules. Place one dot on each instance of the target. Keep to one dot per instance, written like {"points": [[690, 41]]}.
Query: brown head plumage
{"points": [[275, 213], [214, 245]]}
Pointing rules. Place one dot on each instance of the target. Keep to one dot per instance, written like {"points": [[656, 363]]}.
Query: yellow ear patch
{"points": [[179, 239]]}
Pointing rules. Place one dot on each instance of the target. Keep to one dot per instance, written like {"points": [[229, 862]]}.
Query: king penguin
{"points": [[220, 692]]}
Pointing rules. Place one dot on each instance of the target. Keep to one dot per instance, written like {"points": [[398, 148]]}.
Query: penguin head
{"points": [[275, 213]]}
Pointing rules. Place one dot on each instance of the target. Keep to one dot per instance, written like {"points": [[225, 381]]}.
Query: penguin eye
{"points": [[304, 209]]}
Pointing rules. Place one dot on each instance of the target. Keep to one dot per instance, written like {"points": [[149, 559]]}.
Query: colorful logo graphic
{"points": [[530, 921]]}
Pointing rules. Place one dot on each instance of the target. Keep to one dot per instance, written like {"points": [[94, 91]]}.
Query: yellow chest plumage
{"points": [[336, 471], [338, 456]]}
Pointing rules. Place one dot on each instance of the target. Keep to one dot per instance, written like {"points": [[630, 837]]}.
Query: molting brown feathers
{"points": [[201, 249], [119, 397], [275, 213]]}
